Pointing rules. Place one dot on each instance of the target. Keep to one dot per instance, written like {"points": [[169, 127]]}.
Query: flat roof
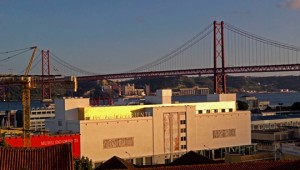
{"points": [[274, 117]]}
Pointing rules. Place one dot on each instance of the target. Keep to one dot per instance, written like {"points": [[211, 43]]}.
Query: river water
{"points": [[286, 98]]}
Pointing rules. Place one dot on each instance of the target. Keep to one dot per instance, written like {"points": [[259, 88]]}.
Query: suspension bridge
{"points": [[219, 49]]}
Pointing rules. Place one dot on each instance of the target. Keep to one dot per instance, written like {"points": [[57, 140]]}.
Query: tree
{"points": [[242, 105], [84, 163], [2, 141], [295, 106]]}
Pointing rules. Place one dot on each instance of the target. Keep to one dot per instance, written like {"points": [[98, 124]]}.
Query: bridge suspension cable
{"points": [[261, 39], [247, 49], [11, 51], [191, 42], [69, 66], [14, 55]]}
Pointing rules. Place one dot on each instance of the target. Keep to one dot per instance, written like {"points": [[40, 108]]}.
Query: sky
{"points": [[110, 36]]}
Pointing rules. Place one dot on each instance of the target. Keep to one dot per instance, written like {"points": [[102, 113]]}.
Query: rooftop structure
{"points": [[274, 121], [272, 139]]}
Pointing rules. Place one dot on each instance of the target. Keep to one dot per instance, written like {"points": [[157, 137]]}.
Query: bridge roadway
{"points": [[202, 71]]}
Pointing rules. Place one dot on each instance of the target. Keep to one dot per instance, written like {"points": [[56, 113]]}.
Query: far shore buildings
{"points": [[157, 133], [193, 91]]}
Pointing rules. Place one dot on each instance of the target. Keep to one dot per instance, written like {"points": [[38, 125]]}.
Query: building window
{"points": [[182, 122], [183, 146], [223, 110], [230, 110], [183, 138], [216, 111], [167, 161], [148, 160], [200, 111], [139, 161], [183, 130]]}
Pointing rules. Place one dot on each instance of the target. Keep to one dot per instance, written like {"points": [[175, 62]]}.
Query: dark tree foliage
{"points": [[84, 163], [268, 108], [2, 141], [242, 105], [295, 106]]}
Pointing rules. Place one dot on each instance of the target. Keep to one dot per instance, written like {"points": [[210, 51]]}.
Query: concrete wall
{"points": [[163, 96], [222, 130], [290, 151], [221, 97], [95, 133], [167, 131], [66, 109], [65, 126], [263, 136], [59, 109], [71, 105]]}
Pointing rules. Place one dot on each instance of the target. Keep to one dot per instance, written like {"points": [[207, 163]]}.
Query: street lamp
{"points": [[128, 154]]}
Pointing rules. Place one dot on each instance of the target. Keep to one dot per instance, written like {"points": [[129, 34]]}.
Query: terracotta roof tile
{"points": [[259, 165], [55, 157]]}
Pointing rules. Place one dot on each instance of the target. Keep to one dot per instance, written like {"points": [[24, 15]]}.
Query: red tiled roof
{"points": [[56, 157], [260, 165]]}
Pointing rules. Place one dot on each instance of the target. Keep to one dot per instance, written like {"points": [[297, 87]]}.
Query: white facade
{"points": [[163, 96], [66, 114], [39, 116], [153, 134], [275, 123]]}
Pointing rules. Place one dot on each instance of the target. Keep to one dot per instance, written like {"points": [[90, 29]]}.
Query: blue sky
{"points": [[109, 36]]}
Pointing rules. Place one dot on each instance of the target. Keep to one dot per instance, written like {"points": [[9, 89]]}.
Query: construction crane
{"points": [[26, 86], [26, 82]]}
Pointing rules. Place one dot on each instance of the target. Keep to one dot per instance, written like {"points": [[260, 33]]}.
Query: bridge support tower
{"points": [[219, 58], [46, 88]]}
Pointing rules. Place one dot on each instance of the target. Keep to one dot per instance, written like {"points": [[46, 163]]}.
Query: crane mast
{"points": [[26, 86]]}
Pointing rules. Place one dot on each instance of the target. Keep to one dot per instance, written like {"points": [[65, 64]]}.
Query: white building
{"points": [[38, 116], [158, 133], [274, 121]]}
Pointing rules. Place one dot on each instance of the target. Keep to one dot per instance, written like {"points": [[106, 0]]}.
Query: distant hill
{"points": [[236, 84]]}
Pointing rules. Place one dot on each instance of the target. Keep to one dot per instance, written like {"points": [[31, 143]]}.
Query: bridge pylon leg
{"points": [[46, 87], [219, 58]]}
